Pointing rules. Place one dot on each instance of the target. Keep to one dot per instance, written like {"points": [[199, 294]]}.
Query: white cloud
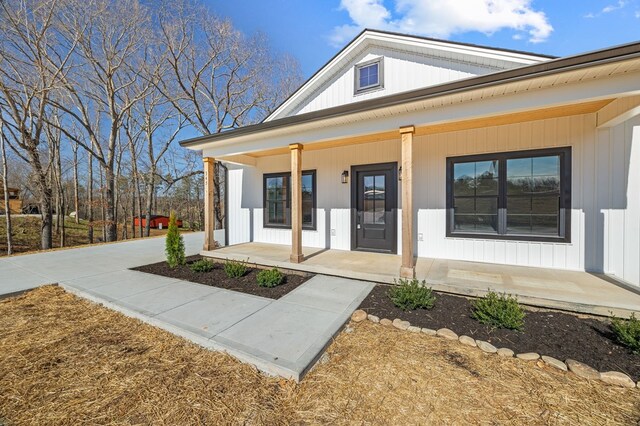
{"points": [[610, 8], [637, 14], [442, 18]]}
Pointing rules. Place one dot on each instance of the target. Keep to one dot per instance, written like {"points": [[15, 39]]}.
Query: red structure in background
{"points": [[157, 221]]}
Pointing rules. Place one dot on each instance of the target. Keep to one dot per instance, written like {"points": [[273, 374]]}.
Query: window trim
{"points": [[287, 225], [565, 194], [356, 73]]}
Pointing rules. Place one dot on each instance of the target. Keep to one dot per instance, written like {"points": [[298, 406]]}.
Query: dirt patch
{"points": [[551, 333], [64, 360], [217, 278]]}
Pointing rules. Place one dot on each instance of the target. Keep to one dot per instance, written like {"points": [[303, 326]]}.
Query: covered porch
{"points": [[415, 135], [576, 291]]}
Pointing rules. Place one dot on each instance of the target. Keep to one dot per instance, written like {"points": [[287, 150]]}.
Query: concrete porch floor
{"points": [[550, 288]]}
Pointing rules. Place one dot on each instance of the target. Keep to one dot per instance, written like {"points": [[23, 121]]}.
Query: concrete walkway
{"points": [[282, 337]]}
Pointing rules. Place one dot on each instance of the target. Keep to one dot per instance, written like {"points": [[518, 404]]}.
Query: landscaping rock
{"points": [[413, 329], [401, 325], [616, 378], [348, 329], [582, 370], [373, 318], [486, 346], [429, 331], [359, 316], [447, 334], [505, 352], [555, 363], [468, 341], [386, 321], [528, 356]]}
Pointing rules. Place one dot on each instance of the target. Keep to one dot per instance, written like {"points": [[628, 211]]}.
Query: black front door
{"points": [[374, 207]]}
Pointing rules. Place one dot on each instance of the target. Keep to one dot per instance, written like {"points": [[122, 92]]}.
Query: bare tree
{"points": [[90, 199], [76, 184], [5, 188], [106, 82], [159, 126], [121, 80], [219, 78], [54, 136], [32, 64], [133, 138]]}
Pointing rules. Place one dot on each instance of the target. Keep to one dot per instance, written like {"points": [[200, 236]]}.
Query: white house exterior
{"points": [[452, 151]]}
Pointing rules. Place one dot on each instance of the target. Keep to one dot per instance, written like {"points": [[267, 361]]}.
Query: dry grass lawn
{"points": [[64, 360]]}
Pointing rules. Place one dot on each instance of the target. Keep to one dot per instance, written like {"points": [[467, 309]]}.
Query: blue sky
{"points": [[314, 30]]}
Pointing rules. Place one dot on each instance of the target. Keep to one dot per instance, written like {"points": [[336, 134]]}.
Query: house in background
{"points": [[403, 153], [156, 222], [15, 203]]}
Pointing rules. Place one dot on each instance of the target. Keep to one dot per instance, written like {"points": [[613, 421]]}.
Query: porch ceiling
{"points": [[497, 120]]}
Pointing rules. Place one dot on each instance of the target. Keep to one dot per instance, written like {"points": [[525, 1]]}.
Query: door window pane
{"points": [[374, 199]]}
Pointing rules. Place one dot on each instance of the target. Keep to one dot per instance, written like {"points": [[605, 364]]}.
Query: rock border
{"points": [[613, 378]]}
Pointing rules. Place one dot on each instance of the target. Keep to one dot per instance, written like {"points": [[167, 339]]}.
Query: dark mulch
{"points": [[218, 278], [551, 333]]}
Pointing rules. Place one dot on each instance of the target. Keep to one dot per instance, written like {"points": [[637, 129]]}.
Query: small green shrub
{"points": [[409, 295], [627, 332], [174, 244], [202, 265], [499, 310], [235, 268], [270, 278]]}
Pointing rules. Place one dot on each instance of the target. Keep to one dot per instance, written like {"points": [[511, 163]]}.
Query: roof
{"points": [[458, 43], [508, 58], [554, 66], [154, 216]]}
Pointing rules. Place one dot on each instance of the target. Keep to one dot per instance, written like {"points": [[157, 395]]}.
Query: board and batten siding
{"points": [[403, 71], [333, 199], [605, 215]]}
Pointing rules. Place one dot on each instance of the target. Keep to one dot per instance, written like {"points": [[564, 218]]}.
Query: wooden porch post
{"points": [[296, 203], [407, 270], [209, 199]]}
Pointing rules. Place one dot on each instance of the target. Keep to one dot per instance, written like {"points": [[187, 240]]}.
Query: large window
{"points": [[524, 195], [277, 200], [369, 75]]}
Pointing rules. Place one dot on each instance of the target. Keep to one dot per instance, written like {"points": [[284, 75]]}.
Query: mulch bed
{"points": [[217, 278], [551, 333]]}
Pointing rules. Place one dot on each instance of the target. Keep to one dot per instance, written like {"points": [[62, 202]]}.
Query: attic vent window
{"points": [[369, 76]]}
